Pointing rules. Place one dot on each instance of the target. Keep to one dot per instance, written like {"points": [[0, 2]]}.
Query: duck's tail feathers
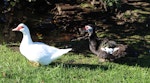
{"points": [[60, 53], [63, 51], [121, 52]]}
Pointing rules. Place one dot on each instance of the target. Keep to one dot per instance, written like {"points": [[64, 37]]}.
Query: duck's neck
{"points": [[93, 37], [26, 39], [93, 41]]}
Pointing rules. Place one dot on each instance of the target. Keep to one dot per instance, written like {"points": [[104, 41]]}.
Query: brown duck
{"points": [[105, 49]]}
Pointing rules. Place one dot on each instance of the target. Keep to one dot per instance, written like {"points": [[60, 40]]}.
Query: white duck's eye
{"points": [[20, 27]]}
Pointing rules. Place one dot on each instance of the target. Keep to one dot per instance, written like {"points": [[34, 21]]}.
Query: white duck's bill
{"points": [[15, 29]]}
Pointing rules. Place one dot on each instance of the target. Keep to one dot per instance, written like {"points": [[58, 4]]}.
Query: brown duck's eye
{"points": [[86, 27]]}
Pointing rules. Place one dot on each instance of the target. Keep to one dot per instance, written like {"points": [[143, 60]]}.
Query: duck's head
{"points": [[22, 28], [90, 29]]}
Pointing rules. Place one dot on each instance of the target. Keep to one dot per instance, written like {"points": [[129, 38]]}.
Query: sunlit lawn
{"points": [[71, 68]]}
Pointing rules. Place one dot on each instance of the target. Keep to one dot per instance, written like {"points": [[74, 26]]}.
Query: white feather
{"points": [[109, 50]]}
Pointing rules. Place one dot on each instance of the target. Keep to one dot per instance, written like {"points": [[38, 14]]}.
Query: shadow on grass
{"points": [[79, 46], [133, 61], [87, 66]]}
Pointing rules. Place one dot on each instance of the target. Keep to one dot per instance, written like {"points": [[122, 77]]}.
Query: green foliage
{"points": [[9, 4], [112, 2], [14, 2], [86, 5]]}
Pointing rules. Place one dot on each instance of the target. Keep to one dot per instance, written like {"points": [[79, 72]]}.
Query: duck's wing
{"points": [[42, 49], [121, 52], [108, 43], [112, 44]]}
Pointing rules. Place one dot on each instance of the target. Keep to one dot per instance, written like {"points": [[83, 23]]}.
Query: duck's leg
{"points": [[102, 60], [103, 56], [35, 64]]}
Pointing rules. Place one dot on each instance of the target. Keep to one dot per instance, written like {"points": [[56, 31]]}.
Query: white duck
{"points": [[36, 51]]}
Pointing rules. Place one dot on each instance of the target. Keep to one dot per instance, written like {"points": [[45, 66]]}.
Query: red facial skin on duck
{"points": [[85, 28]]}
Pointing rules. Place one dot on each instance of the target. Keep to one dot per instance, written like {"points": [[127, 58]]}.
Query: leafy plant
{"points": [[112, 2]]}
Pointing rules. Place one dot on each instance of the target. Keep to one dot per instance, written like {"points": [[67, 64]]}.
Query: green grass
{"points": [[71, 68]]}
